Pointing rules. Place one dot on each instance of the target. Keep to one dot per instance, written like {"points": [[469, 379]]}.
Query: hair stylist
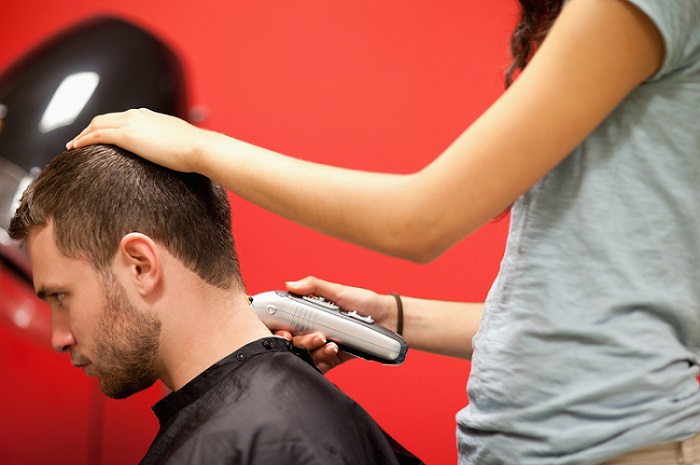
{"points": [[588, 348]]}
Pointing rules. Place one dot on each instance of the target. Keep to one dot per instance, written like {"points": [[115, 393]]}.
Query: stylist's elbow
{"points": [[423, 256], [419, 240], [421, 252], [417, 223]]}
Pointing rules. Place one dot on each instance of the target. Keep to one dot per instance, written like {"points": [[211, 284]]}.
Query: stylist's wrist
{"points": [[391, 319], [206, 147]]}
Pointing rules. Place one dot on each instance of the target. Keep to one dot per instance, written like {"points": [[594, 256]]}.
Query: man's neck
{"points": [[214, 326]]}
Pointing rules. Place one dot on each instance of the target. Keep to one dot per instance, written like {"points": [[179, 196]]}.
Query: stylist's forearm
{"points": [[389, 213], [444, 328], [360, 207]]}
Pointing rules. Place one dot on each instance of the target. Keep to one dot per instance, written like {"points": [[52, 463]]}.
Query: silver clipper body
{"points": [[354, 333]]}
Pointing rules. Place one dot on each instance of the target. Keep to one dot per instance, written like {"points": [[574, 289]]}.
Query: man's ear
{"points": [[139, 255]]}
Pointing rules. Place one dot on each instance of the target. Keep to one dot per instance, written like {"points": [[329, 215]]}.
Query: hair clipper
{"points": [[354, 333]]}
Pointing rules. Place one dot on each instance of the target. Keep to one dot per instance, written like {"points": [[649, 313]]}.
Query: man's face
{"points": [[93, 318]]}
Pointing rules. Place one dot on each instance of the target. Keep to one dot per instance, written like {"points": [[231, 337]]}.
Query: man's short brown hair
{"points": [[97, 194]]}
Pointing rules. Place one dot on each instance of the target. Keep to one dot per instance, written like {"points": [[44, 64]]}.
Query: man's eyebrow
{"points": [[42, 292], [45, 290]]}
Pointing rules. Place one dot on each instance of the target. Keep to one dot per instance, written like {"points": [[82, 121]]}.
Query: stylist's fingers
{"points": [[326, 355], [162, 139], [97, 131], [324, 361], [318, 287], [97, 136], [282, 333], [312, 341], [363, 301]]}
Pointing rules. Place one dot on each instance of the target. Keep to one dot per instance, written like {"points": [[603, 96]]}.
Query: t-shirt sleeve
{"points": [[678, 22]]}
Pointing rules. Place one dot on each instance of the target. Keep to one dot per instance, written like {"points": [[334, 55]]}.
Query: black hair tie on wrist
{"points": [[399, 308]]}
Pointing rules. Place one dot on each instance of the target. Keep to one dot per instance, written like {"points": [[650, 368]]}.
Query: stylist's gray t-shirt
{"points": [[590, 341]]}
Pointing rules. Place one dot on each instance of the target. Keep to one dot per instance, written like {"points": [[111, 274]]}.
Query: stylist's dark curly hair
{"points": [[536, 17]]}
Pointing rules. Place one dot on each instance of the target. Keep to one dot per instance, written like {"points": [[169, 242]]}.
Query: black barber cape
{"points": [[264, 405]]}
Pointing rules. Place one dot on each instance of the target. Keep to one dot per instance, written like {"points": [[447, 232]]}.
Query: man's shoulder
{"points": [[276, 406]]}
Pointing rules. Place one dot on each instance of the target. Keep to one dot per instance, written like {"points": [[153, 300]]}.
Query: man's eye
{"points": [[59, 296]]}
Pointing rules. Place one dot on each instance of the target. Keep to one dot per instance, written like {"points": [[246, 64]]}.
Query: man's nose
{"points": [[62, 338]]}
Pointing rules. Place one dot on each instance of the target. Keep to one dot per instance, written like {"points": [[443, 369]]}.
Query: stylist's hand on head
{"points": [[382, 308], [162, 139]]}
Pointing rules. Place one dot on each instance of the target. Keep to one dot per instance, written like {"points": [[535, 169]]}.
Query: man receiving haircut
{"points": [[139, 267]]}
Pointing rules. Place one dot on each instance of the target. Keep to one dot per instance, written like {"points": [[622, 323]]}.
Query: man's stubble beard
{"points": [[126, 344]]}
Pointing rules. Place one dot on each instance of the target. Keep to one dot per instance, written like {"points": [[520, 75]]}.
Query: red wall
{"points": [[362, 84]]}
